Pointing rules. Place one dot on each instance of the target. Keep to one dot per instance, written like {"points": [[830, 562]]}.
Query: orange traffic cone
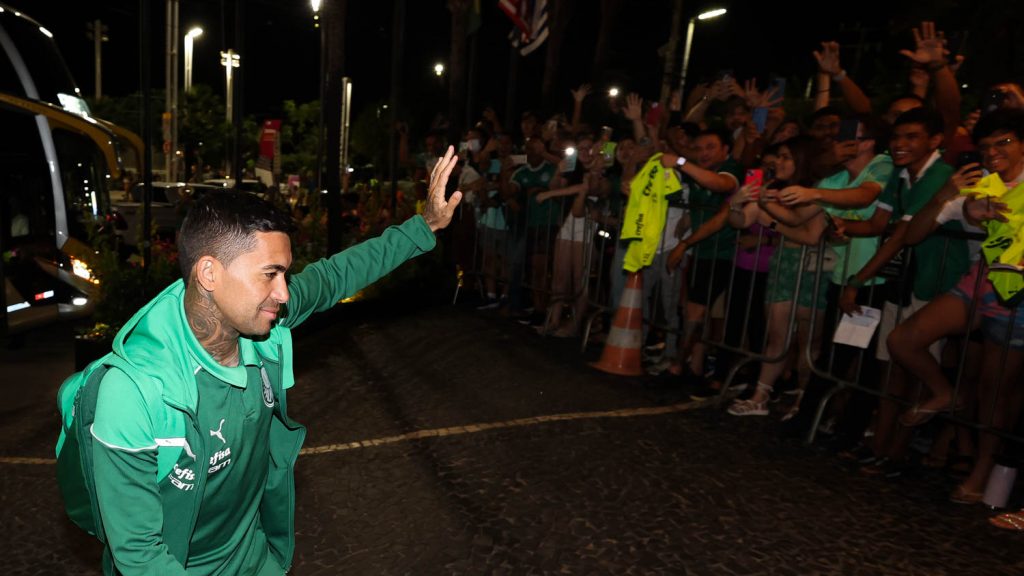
{"points": [[622, 347]]}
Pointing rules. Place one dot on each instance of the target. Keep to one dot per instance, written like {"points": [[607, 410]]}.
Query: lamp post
{"points": [[689, 41], [229, 60], [189, 38], [315, 5]]}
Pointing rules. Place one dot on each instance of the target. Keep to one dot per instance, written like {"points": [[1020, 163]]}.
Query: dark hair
{"points": [[1000, 120], [223, 225], [691, 129], [930, 119], [907, 96], [805, 150], [724, 136]]}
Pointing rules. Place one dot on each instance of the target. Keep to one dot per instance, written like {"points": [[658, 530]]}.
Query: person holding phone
{"points": [[749, 207]]}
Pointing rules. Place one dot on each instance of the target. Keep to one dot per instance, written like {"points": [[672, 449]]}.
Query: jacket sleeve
{"points": [[322, 284], [125, 470]]}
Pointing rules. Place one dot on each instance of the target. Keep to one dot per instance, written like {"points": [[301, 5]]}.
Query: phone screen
{"points": [[760, 118], [754, 177], [968, 157]]}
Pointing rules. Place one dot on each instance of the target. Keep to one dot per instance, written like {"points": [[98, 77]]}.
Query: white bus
{"points": [[58, 166]]}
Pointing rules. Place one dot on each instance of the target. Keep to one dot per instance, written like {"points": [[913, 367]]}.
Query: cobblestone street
{"points": [[446, 441]]}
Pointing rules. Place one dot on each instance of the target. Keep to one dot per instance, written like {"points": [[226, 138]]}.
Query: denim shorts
{"points": [[996, 318]]}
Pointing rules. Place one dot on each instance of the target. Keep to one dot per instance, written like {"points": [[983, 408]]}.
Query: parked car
{"points": [[170, 203], [250, 185]]}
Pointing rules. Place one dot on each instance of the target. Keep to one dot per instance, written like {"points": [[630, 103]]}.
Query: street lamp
{"points": [[613, 92], [189, 38], [689, 41], [315, 5], [438, 69], [229, 60]]}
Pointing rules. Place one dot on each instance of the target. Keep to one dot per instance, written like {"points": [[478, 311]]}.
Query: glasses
{"points": [[1001, 144]]}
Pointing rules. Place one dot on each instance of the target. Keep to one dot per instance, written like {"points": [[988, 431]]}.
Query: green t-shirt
{"points": [[704, 204], [228, 537], [855, 254], [939, 261], [542, 213]]}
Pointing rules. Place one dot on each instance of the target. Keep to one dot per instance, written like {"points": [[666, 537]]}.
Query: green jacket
{"points": [[148, 511]]}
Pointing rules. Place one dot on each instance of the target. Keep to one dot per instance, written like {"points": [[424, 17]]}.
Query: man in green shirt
{"points": [[715, 175], [935, 264], [194, 452]]}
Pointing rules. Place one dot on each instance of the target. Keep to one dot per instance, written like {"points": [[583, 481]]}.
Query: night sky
{"points": [[282, 47]]}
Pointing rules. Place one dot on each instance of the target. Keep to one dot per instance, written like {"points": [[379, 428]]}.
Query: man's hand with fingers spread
{"points": [[438, 211]]}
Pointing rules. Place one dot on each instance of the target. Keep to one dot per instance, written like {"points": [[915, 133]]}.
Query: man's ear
{"points": [[208, 270]]}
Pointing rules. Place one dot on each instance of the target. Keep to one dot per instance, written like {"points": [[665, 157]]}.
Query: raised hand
{"points": [[438, 211], [930, 46], [580, 94], [634, 107], [828, 58]]}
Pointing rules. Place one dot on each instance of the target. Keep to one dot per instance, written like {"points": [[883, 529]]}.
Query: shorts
{"points": [[492, 240], [708, 280], [786, 266], [888, 323], [995, 318]]}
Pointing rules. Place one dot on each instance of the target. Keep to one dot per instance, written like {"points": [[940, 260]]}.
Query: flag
{"points": [[530, 18]]}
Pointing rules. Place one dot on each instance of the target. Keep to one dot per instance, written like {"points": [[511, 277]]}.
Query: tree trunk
{"points": [[333, 18], [457, 69], [559, 14]]}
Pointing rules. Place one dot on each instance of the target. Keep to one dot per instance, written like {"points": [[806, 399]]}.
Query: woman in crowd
{"points": [[790, 283]]}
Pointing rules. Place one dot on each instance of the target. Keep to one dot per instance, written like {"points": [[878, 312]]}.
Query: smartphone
{"points": [[494, 167], [848, 130], [568, 163], [754, 177], [760, 118], [725, 75], [606, 133], [968, 157]]}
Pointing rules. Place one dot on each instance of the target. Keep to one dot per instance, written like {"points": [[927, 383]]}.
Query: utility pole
{"points": [[670, 55], [97, 32], [171, 96]]}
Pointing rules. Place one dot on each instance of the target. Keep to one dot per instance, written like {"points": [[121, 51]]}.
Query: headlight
{"points": [[81, 269]]}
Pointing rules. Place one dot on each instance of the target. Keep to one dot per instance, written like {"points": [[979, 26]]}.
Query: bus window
{"points": [[84, 176], [24, 184]]}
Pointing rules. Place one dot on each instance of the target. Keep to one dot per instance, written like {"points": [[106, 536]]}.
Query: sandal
{"points": [[1009, 521], [748, 408]]}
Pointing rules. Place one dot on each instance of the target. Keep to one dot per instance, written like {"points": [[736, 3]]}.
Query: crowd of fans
{"points": [[755, 231]]}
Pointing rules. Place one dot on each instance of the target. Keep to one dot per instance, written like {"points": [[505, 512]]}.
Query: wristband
{"points": [[839, 77], [680, 161], [936, 66], [854, 282]]}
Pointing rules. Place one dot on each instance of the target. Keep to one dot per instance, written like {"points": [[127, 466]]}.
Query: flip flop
{"points": [[918, 416], [1009, 521], [962, 496]]}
